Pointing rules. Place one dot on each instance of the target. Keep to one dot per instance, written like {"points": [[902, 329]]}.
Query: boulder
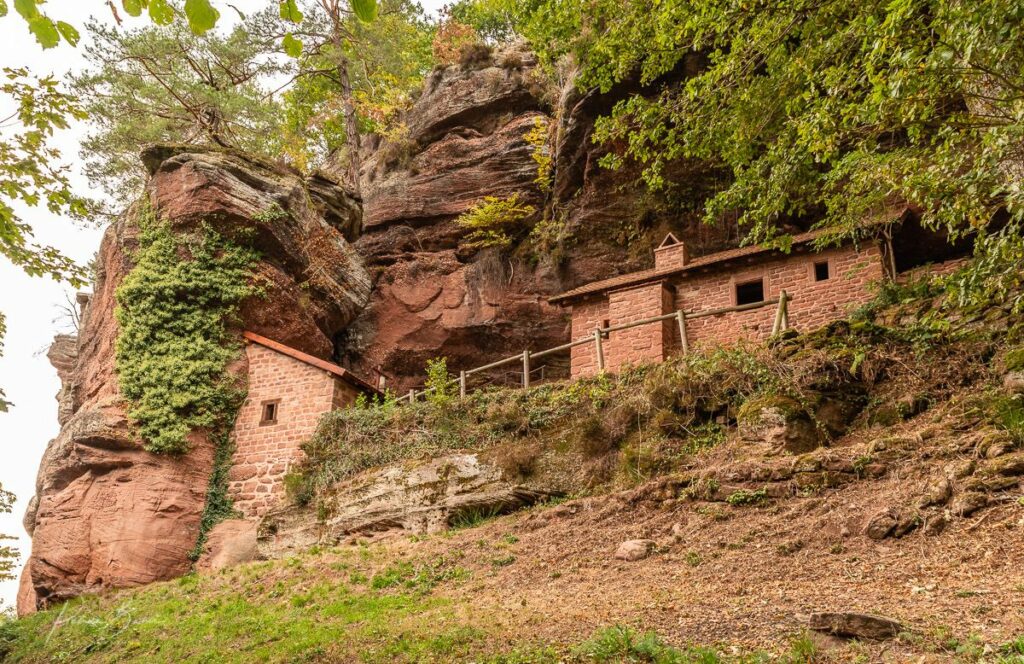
{"points": [[1011, 465], [1013, 381], [229, 543], [881, 525], [632, 550], [780, 422], [937, 493], [415, 497], [854, 625]]}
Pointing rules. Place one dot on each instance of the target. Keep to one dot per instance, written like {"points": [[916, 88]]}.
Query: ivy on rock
{"points": [[174, 348]]}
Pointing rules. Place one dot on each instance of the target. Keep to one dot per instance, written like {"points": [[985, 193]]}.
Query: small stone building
{"points": [[288, 392], [823, 285]]}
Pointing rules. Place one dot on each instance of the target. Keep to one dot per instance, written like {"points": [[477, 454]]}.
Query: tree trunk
{"points": [[351, 128]]}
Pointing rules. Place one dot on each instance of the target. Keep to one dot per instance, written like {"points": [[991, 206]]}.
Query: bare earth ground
{"points": [[746, 576]]}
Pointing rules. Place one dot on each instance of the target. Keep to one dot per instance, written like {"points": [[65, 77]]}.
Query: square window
{"points": [[821, 271], [750, 292], [269, 411]]}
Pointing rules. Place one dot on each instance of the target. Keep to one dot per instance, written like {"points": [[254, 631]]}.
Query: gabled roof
{"points": [[655, 274], [342, 373]]}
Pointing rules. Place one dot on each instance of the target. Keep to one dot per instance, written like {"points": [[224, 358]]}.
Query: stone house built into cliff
{"points": [[288, 392], [822, 286]]}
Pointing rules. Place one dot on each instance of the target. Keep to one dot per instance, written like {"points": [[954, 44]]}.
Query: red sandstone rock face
{"points": [[434, 298], [106, 512]]}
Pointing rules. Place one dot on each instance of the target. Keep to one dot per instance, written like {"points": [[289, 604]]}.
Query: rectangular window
{"points": [[269, 411], [750, 292], [821, 272]]}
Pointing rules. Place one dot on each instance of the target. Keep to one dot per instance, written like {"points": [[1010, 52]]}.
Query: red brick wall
{"points": [[813, 304], [586, 316], [645, 343], [264, 452]]}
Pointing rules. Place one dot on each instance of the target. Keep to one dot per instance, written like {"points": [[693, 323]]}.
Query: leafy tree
{"points": [[200, 15], [496, 21], [333, 35], [166, 84], [8, 555], [821, 110], [31, 174], [385, 61]]}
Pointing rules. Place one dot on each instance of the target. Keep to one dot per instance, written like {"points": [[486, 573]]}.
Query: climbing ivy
{"points": [[173, 348], [218, 505]]}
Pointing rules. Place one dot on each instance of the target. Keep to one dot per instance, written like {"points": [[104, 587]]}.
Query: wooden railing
{"points": [[599, 334]]}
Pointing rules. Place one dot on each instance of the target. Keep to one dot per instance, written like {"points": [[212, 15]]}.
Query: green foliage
{"points": [[4, 403], [994, 276], [9, 557], [474, 517], [218, 506], [496, 21], [386, 61], [200, 15], [495, 222], [622, 644], [440, 388], [31, 172], [164, 84], [537, 138], [826, 111], [421, 578], [745, 497], [173, 349]]}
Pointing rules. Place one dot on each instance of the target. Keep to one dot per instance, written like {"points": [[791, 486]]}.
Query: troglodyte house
{"points": [[288, 392], [823, 285]]}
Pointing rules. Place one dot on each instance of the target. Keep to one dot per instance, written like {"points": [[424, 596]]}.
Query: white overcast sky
{"points": [[32, 304]]}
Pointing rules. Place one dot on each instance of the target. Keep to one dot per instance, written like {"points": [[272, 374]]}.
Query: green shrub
{"points": [[537, 138], [745, 497], [440, 387], [495, 222]]}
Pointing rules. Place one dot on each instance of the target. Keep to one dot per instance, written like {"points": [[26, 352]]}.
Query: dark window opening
{"points": [[750, 292], [605, 324], [269, 415], [821, 272]]}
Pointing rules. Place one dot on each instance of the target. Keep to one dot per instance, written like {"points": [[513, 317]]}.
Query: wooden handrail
{"points": [[599, 333]]}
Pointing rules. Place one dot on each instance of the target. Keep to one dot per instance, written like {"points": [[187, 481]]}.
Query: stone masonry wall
{"points": [[264, 452], [814, 303], [646, 343], [586, 316]]}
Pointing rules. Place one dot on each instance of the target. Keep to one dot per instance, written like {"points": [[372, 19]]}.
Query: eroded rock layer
{"points": [[106, 512]]}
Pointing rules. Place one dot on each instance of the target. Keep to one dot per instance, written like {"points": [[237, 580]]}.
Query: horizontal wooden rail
{"points": [[599, 333]]}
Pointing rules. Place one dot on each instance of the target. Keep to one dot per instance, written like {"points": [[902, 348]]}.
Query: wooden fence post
{"points": [[462, 384], [683, 340], [784, 297], [412, 395], [526, 368], [599, 350]]}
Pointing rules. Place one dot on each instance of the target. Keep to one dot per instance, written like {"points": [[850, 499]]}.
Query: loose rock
{"points": [[938, 493], [854, 625], [968, 503], [632, 550], [881, 525]]}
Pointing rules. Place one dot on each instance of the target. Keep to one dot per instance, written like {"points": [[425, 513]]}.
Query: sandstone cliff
{"points": [[433, 297], [107, 513]]}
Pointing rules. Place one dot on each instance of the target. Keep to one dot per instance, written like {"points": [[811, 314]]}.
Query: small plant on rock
{"points": [[495, 222]]}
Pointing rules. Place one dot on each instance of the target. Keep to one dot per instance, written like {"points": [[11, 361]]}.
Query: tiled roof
{"points": [[655, 274], [306, 358]]}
